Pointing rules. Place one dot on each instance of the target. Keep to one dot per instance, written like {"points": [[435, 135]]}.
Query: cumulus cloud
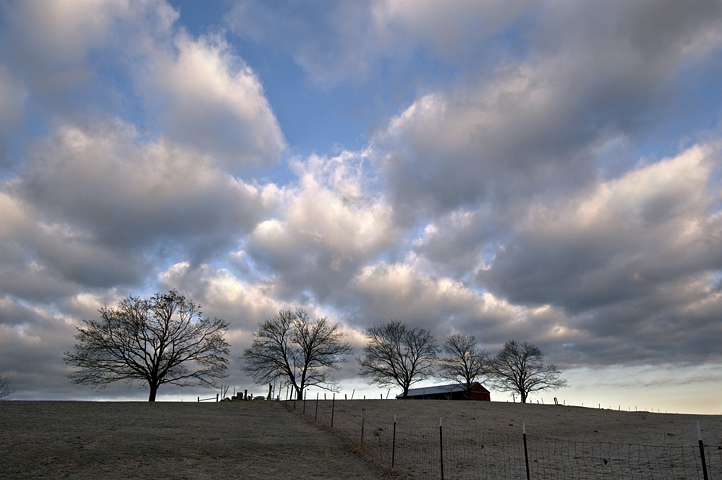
{"points": [[517, 187], [197, 92], [95, 205], [624, 237], [329, 225], [536, 125], [209, 98]]}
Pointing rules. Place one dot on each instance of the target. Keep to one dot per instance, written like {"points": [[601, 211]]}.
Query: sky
{"points": [[544, 171]]}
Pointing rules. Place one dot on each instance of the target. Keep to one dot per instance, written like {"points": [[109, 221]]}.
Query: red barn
{"points": [[448, 392]]}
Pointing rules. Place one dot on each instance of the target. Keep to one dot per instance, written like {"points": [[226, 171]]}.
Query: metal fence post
{"points": [[362, 427], [701, 451], [393, 445], [333, 407], [441, 449], [526, 454], [315, 416]]}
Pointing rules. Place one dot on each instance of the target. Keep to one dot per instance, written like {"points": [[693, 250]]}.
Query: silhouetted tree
{"points": [[465, 363], [292, 347], [6, 386], [519, 367], [397, 354], [150, 341]]}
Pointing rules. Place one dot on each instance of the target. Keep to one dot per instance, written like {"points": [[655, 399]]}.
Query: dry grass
{"points": [[548, 421], [86, 440], [484, 440]]}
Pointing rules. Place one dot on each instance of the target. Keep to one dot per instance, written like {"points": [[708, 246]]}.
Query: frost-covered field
{"points": [[484, 439], [260, 439], [92, 440]]}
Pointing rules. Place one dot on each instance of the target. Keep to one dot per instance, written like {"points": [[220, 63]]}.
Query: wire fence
{"points": [[438, 452]]}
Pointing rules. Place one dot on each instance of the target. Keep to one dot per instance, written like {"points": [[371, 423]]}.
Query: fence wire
{"points": [[472, 455]]}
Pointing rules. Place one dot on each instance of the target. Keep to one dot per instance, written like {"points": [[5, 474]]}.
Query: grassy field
{"points": [[261, 439], [485, 440], [227, 440]]}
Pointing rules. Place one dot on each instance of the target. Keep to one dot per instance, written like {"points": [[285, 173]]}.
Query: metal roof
{"points": [[436, 390]]}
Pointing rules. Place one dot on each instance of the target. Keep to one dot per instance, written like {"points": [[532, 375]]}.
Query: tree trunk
{"points": [[523, 397], [406, 392], [153, 391], [299, 394]]}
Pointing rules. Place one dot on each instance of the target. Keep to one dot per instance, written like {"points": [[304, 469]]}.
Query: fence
{"points": [[436, 451]]}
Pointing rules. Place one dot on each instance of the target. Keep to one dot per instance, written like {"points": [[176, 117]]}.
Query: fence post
{"points": [[333, 407], [393, 445], [526, 454], [315, 416], [701, 451], [441, 449], [363, 410], [216, 398], [304, 402]]}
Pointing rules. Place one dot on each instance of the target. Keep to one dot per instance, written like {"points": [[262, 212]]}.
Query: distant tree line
{"points": [[166, 340]]}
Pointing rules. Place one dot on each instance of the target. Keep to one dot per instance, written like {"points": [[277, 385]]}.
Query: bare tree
{"points": [[519, 367], [6, 386], [465, 363], [397, 354], [152, 342], [300, 351]]}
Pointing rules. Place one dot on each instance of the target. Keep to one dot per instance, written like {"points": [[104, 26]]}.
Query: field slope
{"points": [[89, 440]]}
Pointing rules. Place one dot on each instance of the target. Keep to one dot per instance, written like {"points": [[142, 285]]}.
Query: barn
{"points": [[448, 392]]}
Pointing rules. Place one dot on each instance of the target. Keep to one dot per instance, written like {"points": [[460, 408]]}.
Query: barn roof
{"points": [[438, 389]]}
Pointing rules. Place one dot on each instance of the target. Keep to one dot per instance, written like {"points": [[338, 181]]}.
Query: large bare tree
{"points": [[162, 340], [397, 354], [6, 386], [465, 362], [519, 368], [300, 351]]}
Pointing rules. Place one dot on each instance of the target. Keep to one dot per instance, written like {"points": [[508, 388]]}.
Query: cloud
{"points": [[619, 240], [353, 41], [12, 98], [197, 92], [93, 204], [536, 125], [328, 226], [209, 98]]}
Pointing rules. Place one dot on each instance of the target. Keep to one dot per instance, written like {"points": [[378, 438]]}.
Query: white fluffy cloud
{"points": [[197, 91], [657, 224], [330, 224], [210, 99], [93, 206]]}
